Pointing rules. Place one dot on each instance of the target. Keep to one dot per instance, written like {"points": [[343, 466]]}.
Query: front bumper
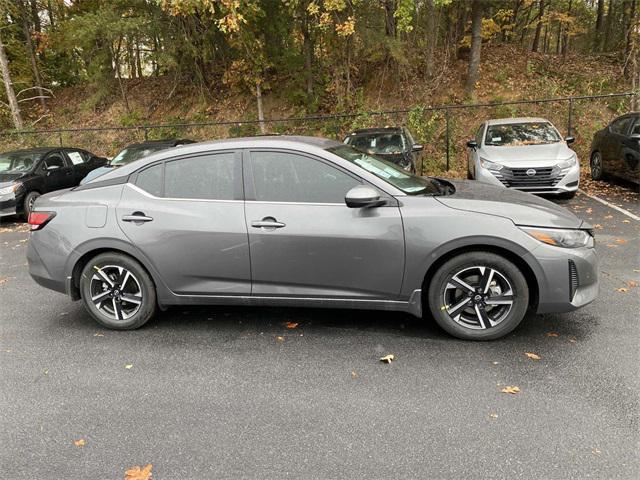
{"points": [[8, 205], [568, 280], [564, 182]]}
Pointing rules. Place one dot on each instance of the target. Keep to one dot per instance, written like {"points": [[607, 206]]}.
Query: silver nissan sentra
{"points": [[302, 221]]}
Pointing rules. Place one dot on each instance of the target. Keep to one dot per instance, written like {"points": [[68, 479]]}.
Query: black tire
{"points": [[507, 277], [127, 306], [28, 202], [597, 166]]}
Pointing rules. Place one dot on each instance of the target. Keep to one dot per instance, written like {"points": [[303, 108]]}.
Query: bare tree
{"points": [[536, 38], [476, 46], [24, 14], [8, 86]]}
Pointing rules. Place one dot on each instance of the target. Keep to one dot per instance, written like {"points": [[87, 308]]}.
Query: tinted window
{"points": [[636, 127], [289, 177], [479, 133], [205, 177], [150, 180], [54, 160], [621, 126]]}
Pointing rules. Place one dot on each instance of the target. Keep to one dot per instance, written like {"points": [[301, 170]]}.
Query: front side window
{"points": [[17, 162], [636, 127], [521, 134], [54, 160], [291, 177], [479, 133], [621, 125]]}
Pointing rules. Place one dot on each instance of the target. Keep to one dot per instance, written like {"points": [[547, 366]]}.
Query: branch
{"points": [[49, 91], [33, 98]]}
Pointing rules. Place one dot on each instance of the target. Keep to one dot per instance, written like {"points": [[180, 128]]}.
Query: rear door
{"points": [[613, 151], [305, 242], [631, 152], [79, 163], [187, 217]]}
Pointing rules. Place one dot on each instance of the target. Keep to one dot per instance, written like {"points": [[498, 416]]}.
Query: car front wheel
{"points": [[29, 200], [597, 170], [117, 291], [478, 296]]}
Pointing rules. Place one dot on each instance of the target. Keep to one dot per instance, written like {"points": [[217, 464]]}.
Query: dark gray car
{"points": [[301, 221]]}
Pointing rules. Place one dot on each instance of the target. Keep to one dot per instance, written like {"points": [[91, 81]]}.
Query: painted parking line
{"points": [[611, 205]]}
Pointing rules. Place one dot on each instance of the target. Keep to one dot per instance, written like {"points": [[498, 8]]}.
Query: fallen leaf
{"points": [[80, 442], [291, 325], [632, 284], [532, 356], [595, 451], [611, 245], [279, 338], [354, 375], [496, 363], [137, 473], [511, 390], [589, 210], [3, 280], [552, 334], [98, 334], [622, 290], [608, 217], [598, 226], [388, 358], [620, 241], [626, 221], [572, 340], [493, 415], [128, 366]]}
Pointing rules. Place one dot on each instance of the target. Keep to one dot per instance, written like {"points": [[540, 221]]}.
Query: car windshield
{"points": [[521, 134], [389, 172], [17, 162], [132, 154], [381, 143]]}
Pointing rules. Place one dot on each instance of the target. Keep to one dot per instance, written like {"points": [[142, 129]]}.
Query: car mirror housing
{"points": [[363, 196], [635, 136], [51, 168], [472, 144], [569, 140]]}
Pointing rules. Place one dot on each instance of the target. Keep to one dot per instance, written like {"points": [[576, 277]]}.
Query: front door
{"points": [[58, 174], [187, 218], [304, 240]]}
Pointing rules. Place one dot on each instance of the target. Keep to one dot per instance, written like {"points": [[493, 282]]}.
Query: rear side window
{"points": [[205, 177], [208, 177], [76, 157], [290, 177]]}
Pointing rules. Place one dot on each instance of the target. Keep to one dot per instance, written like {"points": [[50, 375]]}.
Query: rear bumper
{"points": [[39, 272]]}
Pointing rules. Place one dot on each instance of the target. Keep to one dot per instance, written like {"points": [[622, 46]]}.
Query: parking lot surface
{"points": [[223, 392]]}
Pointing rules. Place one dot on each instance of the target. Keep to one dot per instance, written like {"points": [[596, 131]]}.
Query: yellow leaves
{"points": [[354, 375], [597, 226], [626, 221], [622, 290], [553, 334], [128, 366], [81, 442], [138, 473], [346, 28], [98, 334], [620, 241], [313, 8], [291, 325], [532, 356], [279, 338], [388, 358], [511, 390]]}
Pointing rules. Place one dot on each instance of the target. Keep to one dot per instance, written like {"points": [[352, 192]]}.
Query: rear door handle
{"points": [[267, 222], [137, 217]]}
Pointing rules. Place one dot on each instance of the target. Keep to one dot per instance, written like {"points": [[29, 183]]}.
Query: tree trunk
{"points": [[609, 25], [24, 13], [630, 14], [476, 46], [597, 39], [307, 51], [432, 35], [536, 38], [389, 18], [263, 129], [8, 86], [565, 40]]}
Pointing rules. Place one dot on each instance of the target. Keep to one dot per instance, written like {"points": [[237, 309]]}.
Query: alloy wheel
{"points": [[115, 292], [478, 297], [596, 166]]}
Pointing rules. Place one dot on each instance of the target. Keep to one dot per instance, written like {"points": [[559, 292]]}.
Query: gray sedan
{"points": [[301, 221]]}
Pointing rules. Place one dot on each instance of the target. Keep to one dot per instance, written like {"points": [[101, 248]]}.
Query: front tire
{"points": [[478, 296], [597, 167], [27, 205], [117, 291]]}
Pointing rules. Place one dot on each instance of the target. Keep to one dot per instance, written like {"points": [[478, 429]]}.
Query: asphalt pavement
{"points": [[222, 392]]}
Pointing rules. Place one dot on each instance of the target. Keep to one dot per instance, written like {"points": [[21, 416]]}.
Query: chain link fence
{"points": [[443, 129]]}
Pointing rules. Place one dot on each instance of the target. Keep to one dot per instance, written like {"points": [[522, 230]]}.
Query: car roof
{"points": [[503, 121], [33, 150], [365, 131], [307, 144], [155, 143]]}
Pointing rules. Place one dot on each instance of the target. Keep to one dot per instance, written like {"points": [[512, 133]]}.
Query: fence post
{"points": [[146, 134], [446, 134], [60, 137], [570, 118]]}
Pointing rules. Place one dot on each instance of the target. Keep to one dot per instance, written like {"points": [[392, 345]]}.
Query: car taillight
{"points": [[37, 220]]}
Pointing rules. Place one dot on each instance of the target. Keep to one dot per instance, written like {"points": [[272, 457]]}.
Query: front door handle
{"points": [[137, 217], [267, 223]]}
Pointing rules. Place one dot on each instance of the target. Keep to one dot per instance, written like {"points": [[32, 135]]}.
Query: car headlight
{"points": [[9, 189], [560, 237], [569, 162], [494, 167]]}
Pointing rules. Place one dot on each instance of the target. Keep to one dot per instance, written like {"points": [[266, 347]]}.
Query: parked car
{"points": [[394, 144], [134, 152], [302, 221], [27, 174], [615, 149], [526, 154]]}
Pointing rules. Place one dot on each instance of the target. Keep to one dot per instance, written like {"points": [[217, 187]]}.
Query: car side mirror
{"points": [[363, 196], [635, 136], [472, 144], [417, 147], [569, 140], [51, 168]]}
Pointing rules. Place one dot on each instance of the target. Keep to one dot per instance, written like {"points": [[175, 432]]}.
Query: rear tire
{"points": [[117, 291], [27, 204], [491, 300]]}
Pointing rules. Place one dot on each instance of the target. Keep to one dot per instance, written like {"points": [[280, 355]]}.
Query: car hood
{"points": [[520, 207], [528, 155], [7, 178]]}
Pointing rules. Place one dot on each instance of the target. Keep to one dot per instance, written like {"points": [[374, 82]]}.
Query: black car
{"points": [[394, 144], [134, 152], [27, 174], [615, 149]]}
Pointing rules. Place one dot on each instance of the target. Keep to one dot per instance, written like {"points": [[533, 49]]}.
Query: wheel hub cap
{"points": [[115, 292]]}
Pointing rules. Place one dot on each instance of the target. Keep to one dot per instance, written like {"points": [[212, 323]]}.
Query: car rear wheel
{"points": [[597, 169], [29, 200], [478, 296], [117, 291]]}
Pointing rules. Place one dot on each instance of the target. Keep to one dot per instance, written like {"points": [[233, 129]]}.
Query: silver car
{"points": [[301, 221], [525, 154]]}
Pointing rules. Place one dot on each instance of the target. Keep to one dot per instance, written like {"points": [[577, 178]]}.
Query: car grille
{"points": [[518, 177], [573, 279]]}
